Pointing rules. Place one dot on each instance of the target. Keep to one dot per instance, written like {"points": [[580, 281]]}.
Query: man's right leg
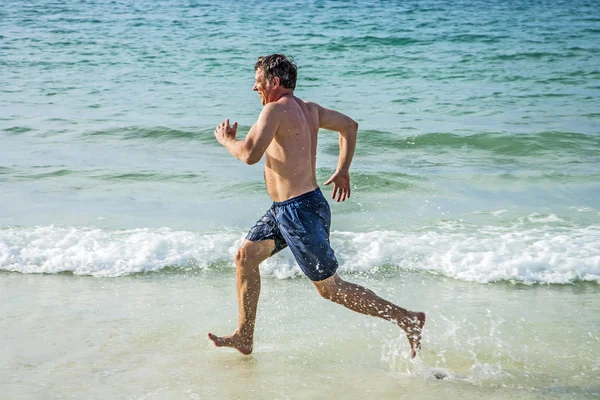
{"points": [[247, 260]]}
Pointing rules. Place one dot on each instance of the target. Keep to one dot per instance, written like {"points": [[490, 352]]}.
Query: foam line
{"points": [[521, 253]]}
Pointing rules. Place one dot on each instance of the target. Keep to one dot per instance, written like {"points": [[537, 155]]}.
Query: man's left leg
{"points": [[364, 301]]}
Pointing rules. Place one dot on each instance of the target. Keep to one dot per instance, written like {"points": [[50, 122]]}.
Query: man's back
{"points": [[290, 162]]}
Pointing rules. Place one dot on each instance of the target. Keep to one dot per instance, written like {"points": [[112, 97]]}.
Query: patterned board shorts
{"points": [[302, 223]]}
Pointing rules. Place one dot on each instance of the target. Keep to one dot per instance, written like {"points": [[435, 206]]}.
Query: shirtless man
{"points": [[286, 131]]}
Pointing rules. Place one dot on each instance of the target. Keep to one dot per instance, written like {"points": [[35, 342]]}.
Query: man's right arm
{"points": [[348, 129], [251, 149]]}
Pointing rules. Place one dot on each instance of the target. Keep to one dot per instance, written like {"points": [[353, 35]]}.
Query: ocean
{"points": [[475, 198]]}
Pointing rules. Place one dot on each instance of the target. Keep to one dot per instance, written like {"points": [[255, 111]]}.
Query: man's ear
{"points": [[276, 82]]}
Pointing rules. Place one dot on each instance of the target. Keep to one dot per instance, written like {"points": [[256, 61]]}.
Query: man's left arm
{"points": [[348, 128], [251, 149]]}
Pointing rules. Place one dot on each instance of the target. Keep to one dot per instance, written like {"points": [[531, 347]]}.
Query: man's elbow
{"points": [[352, 127], [250, 154], [251, 159]]}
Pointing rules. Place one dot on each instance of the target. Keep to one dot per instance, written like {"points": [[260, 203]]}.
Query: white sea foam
{"points": [[582, 209], [543, 218], [542, 254], [97, 252]]}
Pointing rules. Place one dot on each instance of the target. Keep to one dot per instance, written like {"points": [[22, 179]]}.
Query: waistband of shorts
{"points": [[298, 198]]}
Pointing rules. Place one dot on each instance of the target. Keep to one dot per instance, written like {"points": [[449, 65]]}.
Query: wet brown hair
{"points": [[281, 66]]}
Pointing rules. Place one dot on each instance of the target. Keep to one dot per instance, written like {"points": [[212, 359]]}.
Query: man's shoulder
{"points": [[274, 107], [271, 110], [279, 107], [274, 112], [312, 104]]}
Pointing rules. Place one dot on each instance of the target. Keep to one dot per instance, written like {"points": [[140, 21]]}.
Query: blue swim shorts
{"points": [[302, 223]]}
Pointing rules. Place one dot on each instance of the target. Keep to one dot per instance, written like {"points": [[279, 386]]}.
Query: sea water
{"points": [[475, 198]]}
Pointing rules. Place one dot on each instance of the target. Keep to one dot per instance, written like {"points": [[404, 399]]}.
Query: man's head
{"points": [[275, 75]]}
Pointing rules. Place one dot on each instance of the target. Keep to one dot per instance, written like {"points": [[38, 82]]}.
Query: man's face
{"points": [[262, 86]]}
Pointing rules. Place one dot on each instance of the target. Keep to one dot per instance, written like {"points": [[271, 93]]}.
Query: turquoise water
{"points": [[477, 161], [474, 117]]}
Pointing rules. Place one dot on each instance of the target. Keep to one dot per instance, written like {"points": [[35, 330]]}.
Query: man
{"points": [[286, 132]]}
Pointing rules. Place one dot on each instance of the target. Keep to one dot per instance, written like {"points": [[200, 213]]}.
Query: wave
{"points": [[372, 141], [476, 38], [53, 172], [375, 141], [370, 40], [157, 132], [16, 130], [381, 181], [385, 40], [539, 249], [362, 181], [530, 55]]}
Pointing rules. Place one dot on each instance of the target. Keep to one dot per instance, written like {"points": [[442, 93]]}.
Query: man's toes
{"points": [[215, 339]]}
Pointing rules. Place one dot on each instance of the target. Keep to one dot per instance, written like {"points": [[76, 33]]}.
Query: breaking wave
{"points": [[537, 252]]}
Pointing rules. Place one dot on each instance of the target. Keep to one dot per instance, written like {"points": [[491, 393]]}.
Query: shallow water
{"points": [[144, 337]]}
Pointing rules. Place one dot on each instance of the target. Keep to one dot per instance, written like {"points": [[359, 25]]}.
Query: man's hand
{"points": [[341, 185], [224, 132]]}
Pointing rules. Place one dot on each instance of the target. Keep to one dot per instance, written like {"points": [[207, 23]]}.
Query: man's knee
{"points": [[249, 253], [241, 255], [328, 288]]}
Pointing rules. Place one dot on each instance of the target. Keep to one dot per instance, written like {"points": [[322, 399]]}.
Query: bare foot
{"points": [[413, 326], [242, 345]]}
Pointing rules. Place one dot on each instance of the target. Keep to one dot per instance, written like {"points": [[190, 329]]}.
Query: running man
{"points": [[286, 131]]}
